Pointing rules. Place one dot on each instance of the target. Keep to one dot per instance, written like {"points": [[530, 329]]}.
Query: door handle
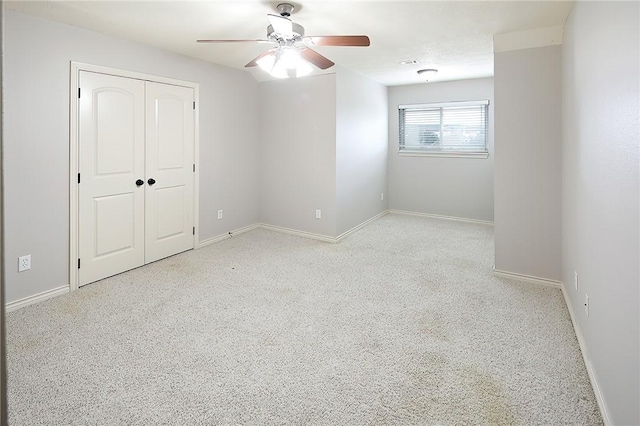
{"points": [[139, 182], [151, 181]]}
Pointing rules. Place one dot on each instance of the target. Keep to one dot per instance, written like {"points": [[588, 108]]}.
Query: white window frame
{"points": [[451, 153]]}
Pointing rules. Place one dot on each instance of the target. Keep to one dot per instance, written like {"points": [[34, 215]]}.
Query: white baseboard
{"points": [[30, 300], [583, 349], [587, 361], [437, 216], [303, 234], [362, 225], [222, 237], [319, 237], [527, 278]]}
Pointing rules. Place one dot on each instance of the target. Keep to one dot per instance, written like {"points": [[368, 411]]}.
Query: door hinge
{"points": [[194, 104], [78, 177], [194, 230], [194, 168], [78, 263], [78, 93]]}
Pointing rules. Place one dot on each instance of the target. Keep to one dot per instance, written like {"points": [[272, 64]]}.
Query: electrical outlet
{"points": [[382, 196], [318, 214], [219, 214], [586, 304], [24, 263], [575, 279]]}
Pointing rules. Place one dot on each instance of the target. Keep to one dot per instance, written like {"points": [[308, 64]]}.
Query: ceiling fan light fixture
{"points": [[273, 66], [290, 57], [267, 62], [427, 72], [303, 68], [285, 62], [279, 70]]}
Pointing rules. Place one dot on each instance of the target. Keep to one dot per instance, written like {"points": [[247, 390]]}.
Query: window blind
{"points": [[450, 127]]}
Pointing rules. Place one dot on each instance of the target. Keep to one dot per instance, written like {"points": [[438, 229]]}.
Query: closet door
{"points": [[170, 173], [111, 161]]}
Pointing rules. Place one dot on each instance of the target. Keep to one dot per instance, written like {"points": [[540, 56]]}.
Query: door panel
{"points": [[111, 159], [171, 221], [115, 131], [170, 122], [170, 159], [114, 212]]}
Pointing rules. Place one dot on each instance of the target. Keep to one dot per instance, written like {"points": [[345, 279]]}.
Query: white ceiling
{"points": [[456, 37]]}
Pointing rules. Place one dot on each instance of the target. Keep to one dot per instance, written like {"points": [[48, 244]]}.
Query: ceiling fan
{"points": [[293, 54]]}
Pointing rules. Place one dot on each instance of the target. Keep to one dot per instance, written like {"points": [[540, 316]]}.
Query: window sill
{"points": [[405, 153]]}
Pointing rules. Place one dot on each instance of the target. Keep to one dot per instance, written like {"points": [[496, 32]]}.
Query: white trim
{"points": [[75, 68], [80, 66], [303, 234], [74, 85], [319, 237], [196, 160], [362, 225], [527, 278], [40, 297], [527, 39], [602, 405], [437, 216], [444, 104], [222, 237], [455, 154], [324, 238]]}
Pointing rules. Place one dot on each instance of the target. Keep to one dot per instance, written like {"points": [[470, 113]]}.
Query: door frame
{"points": [[74, 86]]}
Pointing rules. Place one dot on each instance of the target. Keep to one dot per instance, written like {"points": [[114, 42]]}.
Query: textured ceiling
{"points": [[453, 36]]}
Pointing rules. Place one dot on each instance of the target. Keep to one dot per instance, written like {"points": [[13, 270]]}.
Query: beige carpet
{"points": [[401, 323]]}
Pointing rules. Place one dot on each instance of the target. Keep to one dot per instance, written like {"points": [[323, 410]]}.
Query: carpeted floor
{"points": [[400, 323]]}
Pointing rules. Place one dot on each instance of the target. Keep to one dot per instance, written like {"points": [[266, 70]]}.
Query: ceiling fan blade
{"points": [[254, 62], [281, 25], [316, 59], [338, 40], [234, 41]]}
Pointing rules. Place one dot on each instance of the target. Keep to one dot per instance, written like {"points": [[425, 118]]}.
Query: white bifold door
{"points": [[136, 173]]}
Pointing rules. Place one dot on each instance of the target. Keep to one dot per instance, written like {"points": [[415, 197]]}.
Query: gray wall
{"points": [[36, 144], [528, 132], [361, 149], [600, 193], [297, 153], [458, 187]]}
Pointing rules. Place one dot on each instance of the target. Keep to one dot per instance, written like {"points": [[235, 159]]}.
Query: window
{"points": [[444, 129]]}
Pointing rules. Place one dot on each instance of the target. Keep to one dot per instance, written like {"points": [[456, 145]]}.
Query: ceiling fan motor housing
{"points": [[285, 9], [298, 33]]}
